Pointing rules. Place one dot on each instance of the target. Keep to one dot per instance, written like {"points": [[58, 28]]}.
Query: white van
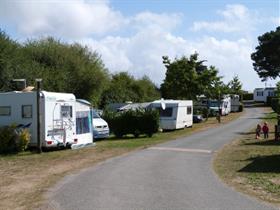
{"points": [[100, 127]]}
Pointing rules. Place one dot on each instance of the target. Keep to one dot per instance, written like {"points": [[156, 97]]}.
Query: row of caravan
{"points": [[64, 120]]}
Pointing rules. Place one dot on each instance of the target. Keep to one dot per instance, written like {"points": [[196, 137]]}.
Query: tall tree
{"points": [[186, 78], [235, 86], [266, 58], [10, 61], [66, 68], [124, 87]]}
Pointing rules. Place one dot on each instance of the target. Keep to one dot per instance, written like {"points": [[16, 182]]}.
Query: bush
{"points": [[241, 106], [275, 104], [13, 140], [134, 122], [248, 96]]}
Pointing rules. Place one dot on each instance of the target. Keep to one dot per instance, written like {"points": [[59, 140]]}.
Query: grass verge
{"points": [[251, 165], [25, 177]]}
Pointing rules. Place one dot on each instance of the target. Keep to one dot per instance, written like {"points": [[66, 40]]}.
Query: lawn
{"points": [[25, 177], [252, 165]]}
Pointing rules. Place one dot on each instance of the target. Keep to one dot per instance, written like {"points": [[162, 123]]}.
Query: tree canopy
{"points": [[266, 58], [235, 86], [124, 87], [186, 78]]}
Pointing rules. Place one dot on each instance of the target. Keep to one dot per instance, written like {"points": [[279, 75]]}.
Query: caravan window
{"points": [[26, 111], [189, 110], [259, 93], [166, 112], [5, 110], [66, 111]]}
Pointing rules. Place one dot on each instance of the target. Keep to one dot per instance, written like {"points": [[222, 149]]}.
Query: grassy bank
{"points": [[26, 177], [252, 165]]}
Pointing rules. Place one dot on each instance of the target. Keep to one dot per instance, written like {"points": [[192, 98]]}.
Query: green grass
{"points": [[252, 165]]}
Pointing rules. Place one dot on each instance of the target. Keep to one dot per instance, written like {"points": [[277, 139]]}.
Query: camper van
{"points": [[174, 114], [57, 114], [100, 127]]}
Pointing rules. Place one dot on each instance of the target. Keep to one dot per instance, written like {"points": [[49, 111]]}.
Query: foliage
{"points": [[235, 86], [186, 78], [248, 96], [275, 105], [266, 58], [13, 141], [134, 122], [124, 87], [66, 68], [10, 60]]}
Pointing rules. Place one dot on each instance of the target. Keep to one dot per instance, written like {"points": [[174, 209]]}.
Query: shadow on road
{"points": [[263, 164]]}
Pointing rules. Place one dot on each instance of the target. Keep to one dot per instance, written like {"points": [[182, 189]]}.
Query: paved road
{"points": [[173, 175]]}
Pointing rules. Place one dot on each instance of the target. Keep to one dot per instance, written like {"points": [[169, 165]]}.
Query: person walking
{"points": [[265, 130], [258, 131]]}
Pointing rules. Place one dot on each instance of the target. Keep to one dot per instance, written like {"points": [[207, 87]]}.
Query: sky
{"points": [[133, 35]]}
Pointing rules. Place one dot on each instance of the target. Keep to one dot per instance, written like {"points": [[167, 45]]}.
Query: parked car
{"points": [[197, 118], [100, 127]]}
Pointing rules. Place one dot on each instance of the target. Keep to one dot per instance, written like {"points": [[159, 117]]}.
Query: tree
{"points": [[186, 78], [124, 87], [10, 61], [266, 59], [66, 68], [235, 86]]}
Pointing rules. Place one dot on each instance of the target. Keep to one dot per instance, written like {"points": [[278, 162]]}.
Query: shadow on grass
{"points": [[265, 143], [245, 133], [263, 164]]}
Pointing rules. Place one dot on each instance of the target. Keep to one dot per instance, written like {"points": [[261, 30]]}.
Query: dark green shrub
{"points": [[269, 100], [13, 140], [275, 104], [248, 96], [241, 106], [134, 122]]}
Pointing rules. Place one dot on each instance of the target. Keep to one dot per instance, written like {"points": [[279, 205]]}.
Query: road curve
{"points": [[173, 175]]}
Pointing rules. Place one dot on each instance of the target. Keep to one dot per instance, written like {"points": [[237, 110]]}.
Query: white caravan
{"points": [[174, 114], [57, 114], [235, 103]]}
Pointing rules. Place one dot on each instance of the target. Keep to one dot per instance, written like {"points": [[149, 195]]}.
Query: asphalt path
{"points": [[174, 175]]}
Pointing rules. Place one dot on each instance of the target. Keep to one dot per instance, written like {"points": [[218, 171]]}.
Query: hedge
{"points": [[134, 122], [13, 139]]}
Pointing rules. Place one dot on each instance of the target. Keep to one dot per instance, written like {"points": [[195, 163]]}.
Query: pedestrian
{"points": [[258, 131], [265, 130]]}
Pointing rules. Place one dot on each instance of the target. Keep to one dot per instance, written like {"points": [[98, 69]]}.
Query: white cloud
{"points": [[236, 18], [71, 19]]}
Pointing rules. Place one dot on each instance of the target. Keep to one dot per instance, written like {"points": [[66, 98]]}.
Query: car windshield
{"points": [[95, 115]]}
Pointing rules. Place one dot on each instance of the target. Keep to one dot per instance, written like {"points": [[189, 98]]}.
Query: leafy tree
{"points": [[266, 59], [186, 78], [124, 87], [10, 61], [66, 68], [235, 86]]}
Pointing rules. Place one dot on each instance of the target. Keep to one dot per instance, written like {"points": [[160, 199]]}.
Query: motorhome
{"points": [[174, 114], [57, 116]]}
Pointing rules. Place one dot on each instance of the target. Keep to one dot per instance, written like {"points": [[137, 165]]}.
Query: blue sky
{"points": [[133, 35]]}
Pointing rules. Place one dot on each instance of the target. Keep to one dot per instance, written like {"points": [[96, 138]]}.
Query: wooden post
{"points": [[39, 145]]}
